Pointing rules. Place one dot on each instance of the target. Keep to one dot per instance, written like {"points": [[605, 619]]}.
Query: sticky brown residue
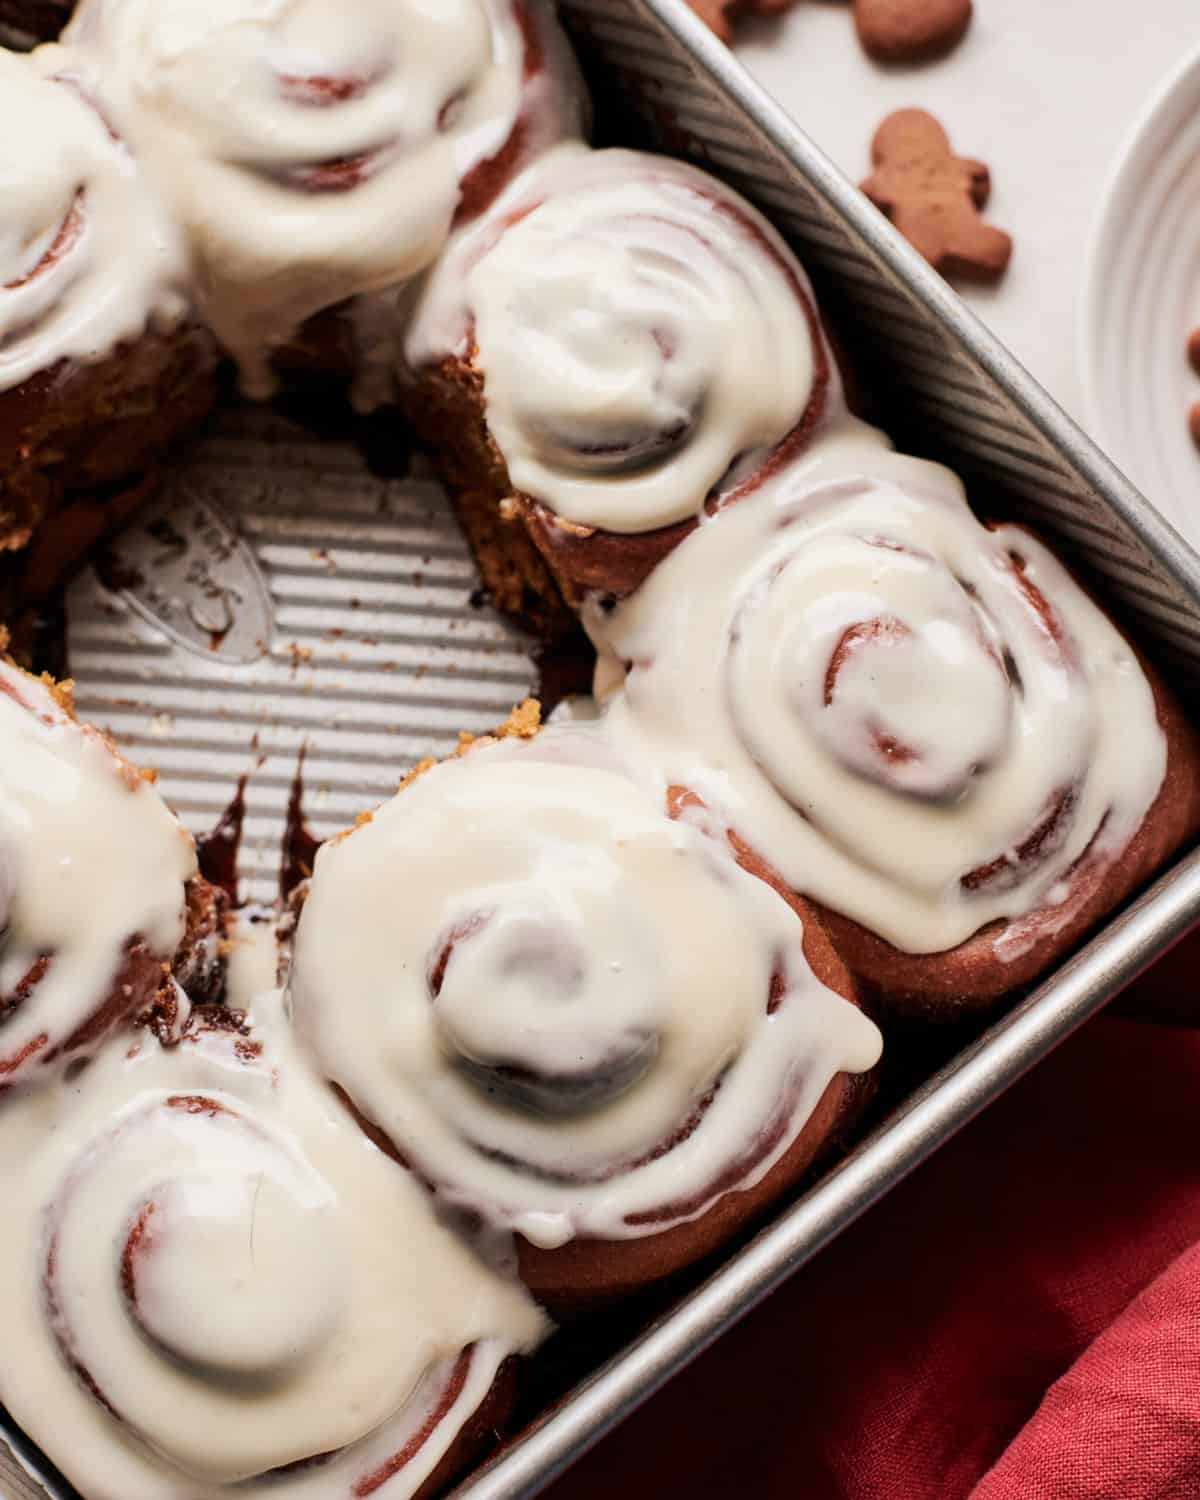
{"points": [[300, 844], [217, 850]]}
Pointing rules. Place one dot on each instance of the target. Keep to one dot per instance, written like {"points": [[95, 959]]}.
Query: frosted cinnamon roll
{"points": [[922, 723], [214, 1285], [620, 343], [99, 365], [318, 149], [99, 903], [571, 1010]]}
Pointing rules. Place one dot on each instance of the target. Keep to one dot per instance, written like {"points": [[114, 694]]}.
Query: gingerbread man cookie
{"points": [[934, 197], [717, 14], [910, 30], [890, 30]]}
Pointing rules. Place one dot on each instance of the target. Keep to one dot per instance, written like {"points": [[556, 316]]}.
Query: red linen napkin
{"points": [[1018, 1321]]}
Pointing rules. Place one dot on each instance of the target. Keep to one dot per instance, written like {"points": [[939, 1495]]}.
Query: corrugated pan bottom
{"points": [[311, 608]]}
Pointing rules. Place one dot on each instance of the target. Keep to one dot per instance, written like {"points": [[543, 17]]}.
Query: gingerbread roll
{"points": [[620, 343], [574, 1014], [316, 152], [101, 907], [924, 724], [214, 1285], [100, 365]]}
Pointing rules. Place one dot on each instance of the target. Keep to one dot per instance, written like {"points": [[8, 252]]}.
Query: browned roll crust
{"points": [[144, 984], [74, 431], [972, 977], [1003, 958], [589, 1270], [141, 1238], [447, 410], [586, 1270], [535, 565], [488, 178], [584, 560]]}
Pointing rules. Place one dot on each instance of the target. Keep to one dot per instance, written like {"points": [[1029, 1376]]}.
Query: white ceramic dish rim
{"points": [[1157, 120]]}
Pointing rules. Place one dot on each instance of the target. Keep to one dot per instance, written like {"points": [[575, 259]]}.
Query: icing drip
{"points": [[87, 258], [923, 723], [570, 1012], [314, 150], [234, 1282], [92, 872], [640, 328]]}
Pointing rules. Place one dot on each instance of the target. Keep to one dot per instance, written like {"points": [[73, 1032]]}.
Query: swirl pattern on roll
{"points": [[230, 1290], [645, 337], [88, 259], [568, 1011], [93, 869], [315, 150], [921, 722]]}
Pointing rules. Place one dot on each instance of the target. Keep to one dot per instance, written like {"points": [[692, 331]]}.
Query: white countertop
{"points": [[1044, 91]]}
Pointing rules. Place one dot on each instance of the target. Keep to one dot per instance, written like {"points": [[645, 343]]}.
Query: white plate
{"points": [[1141, 299]]}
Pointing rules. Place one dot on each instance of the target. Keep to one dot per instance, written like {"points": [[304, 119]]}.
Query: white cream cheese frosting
{"points": [[921, 722], [90, 859], [89, 258], [557, 1001], [318, 149], [209, 1274], [644, 334]]}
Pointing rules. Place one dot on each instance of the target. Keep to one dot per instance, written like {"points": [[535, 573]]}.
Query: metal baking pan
{"points": [[309, 625], [959, 396]]}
